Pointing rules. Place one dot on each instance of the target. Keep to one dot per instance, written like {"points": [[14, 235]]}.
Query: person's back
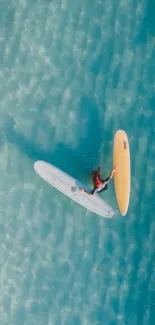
{"points": [[99, 184]]}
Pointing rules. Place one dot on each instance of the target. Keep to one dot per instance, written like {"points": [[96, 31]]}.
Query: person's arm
{"points": [[106, 181], [112, 172]]}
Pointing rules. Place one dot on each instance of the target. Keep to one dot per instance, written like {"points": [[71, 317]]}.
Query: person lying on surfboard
{"points": [[100, 185]]}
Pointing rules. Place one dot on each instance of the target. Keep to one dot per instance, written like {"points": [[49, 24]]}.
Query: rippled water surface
{"points": [[71, 74]]}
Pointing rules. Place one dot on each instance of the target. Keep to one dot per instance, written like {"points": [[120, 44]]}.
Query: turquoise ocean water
{"points": [[71, 74]]}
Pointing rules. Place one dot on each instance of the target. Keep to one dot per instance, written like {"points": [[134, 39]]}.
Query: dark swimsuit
{"points": [[103, 188]]}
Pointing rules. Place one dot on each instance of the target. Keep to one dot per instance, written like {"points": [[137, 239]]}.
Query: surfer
{"points": [[100, 185]]}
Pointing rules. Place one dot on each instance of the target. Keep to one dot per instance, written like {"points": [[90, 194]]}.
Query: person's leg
{"points": [[87, 192]]}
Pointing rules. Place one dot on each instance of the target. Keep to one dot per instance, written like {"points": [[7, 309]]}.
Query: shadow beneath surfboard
{"points": [[62, 157], [77, 162]]}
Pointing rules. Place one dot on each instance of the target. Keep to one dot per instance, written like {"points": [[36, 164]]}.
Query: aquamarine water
{"points": [[71, 74]]}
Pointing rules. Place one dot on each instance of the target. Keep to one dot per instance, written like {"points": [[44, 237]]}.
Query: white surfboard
{"points": [[70, 187]]}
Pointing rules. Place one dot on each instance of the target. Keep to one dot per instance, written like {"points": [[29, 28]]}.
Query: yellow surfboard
{"points": [[121, 160]]}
